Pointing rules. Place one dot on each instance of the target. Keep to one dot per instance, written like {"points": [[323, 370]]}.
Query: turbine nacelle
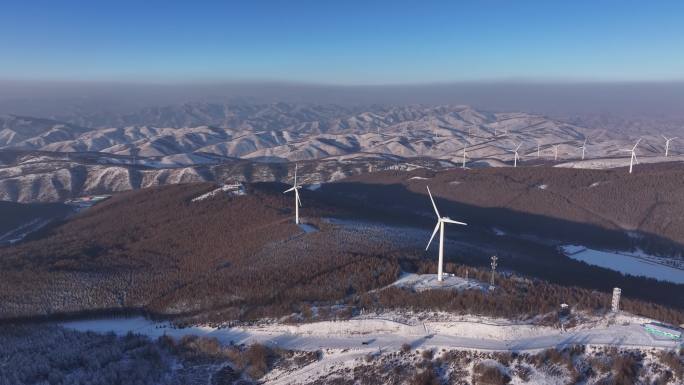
{"points": [[296, 190]]}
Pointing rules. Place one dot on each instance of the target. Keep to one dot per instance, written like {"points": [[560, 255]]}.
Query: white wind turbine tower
{"points": [[667, 144], [298, 202], [633, 157], [555, 152], [584, 147], [464, 158], [515, 156], [440, 226]]}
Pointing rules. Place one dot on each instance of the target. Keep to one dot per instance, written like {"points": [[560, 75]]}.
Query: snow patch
{"points": [[371, 333], [422, 282], [231, 189], [308, 228], [637, 264]]}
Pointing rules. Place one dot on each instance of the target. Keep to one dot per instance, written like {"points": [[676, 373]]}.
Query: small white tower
{"points": [[615, 304], [493, 264]]}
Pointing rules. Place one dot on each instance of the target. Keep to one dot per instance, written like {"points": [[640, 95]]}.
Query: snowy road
{"points": [[387, 335]]}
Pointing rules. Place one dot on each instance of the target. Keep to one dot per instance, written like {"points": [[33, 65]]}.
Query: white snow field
{"points": [[638, 263], [607, 163], [421, 282], [230, 189], [385, 334], [344, 344]]}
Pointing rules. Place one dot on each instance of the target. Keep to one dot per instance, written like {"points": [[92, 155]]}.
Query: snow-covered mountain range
{"points": [[49, 160]]}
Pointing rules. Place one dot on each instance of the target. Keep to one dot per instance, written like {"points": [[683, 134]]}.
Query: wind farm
{"points": [[340, 193], [356, 275]]}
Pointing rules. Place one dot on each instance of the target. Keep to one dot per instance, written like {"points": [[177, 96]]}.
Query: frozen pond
{"points": [[637, 264]]}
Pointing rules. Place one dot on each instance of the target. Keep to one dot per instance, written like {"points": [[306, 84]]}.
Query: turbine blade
{"points": [[635, 158], [288, 190], [433, 235], [298, 200], [517, 148], [433, 202], [636, 144], [448, 220]]}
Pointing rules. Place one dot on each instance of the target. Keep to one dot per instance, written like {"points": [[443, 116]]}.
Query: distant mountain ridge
{"points": [[278, 131], [34, 133], [105, 152]]}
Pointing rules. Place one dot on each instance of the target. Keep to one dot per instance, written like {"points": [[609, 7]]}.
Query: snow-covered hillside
{"points": [[439, 345]]}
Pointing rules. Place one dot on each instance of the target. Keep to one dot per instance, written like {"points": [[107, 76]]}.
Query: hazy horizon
{"points": [[52, 99], [560, 59]]}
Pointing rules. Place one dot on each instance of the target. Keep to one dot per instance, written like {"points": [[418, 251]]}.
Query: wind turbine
{"points": [[298, 201], [667, 144], [555, 152], [516, 157], [464, 157], [633, 157], [584, 147], [538, 148], [440, 226]]}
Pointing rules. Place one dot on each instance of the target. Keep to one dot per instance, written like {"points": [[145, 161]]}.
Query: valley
{"points": [[193, 247]]}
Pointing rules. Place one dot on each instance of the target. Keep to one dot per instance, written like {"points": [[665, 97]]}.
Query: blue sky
{"points": [[342, 42]]}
